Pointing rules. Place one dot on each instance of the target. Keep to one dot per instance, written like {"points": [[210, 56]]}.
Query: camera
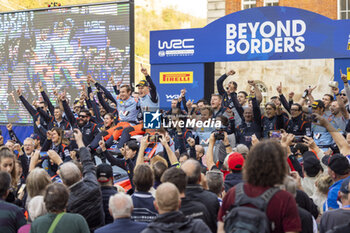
{"points": [[219, 134]]}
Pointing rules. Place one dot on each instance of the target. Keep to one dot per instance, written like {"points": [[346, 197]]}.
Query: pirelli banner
{"points": [[170, 79], [264, 33]]}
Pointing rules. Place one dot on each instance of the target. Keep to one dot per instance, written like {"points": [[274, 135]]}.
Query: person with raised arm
{"points": [[148, 96]]}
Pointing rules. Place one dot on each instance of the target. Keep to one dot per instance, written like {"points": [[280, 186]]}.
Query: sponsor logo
{"points": [[169, 98], [192, 123], [176, 47], [152, 120], [175, 77], [348, 43]]}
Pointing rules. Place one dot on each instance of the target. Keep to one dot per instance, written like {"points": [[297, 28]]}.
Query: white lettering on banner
{"points": [[172, 96], [169, 98], [176, 44], [192, 123], [176, 47], [256, 38]]}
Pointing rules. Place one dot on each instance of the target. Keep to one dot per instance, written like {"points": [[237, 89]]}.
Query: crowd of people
{"points": [[280, 166]]}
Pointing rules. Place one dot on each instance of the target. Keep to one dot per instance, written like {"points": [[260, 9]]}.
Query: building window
{"points": [[343, 9], [271, 2], [246, 4]]}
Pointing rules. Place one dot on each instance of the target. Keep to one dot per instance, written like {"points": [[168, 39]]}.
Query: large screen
{"points": [[60, 47]]}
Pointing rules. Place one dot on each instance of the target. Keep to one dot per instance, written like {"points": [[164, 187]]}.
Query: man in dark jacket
{"points": [[104, 173], [235, 163], [85, 196], [194, 191], [189, 208], [170, 219]]}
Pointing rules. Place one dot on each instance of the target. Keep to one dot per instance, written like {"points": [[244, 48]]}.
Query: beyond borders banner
{"points": [[264, 33]]}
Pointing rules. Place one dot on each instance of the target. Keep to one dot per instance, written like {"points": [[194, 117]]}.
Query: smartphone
{"points": [[44, 155], [275, 134], [298, 138], [68, 134], [21, 189], [248, 138], [154, 138]]}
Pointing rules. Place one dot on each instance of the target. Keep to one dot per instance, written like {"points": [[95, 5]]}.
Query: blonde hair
{"points": [[37, 181], [323, 182], [157, 158]]}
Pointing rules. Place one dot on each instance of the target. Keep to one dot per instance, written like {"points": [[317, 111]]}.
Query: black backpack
{"points": [[245, 219]]}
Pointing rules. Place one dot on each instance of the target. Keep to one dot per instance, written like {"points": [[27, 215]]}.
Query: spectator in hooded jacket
{"points": [[189, 208], [194, 191], [170, 219], [85, 195]]}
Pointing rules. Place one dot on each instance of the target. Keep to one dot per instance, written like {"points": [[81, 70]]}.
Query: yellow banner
{"points": [[175, 77]]}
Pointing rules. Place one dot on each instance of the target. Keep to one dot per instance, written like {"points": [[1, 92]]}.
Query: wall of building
{"points": [[216, 10], [324, 7]]}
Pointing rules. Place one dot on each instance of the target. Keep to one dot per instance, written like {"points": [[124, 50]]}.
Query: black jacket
{"points": [[176, 222], [195, 209], [298, 126], [305, 202], [85, 196], [232, 179], [209, 199], [89, 130], [306, 221], [107, 192]]}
